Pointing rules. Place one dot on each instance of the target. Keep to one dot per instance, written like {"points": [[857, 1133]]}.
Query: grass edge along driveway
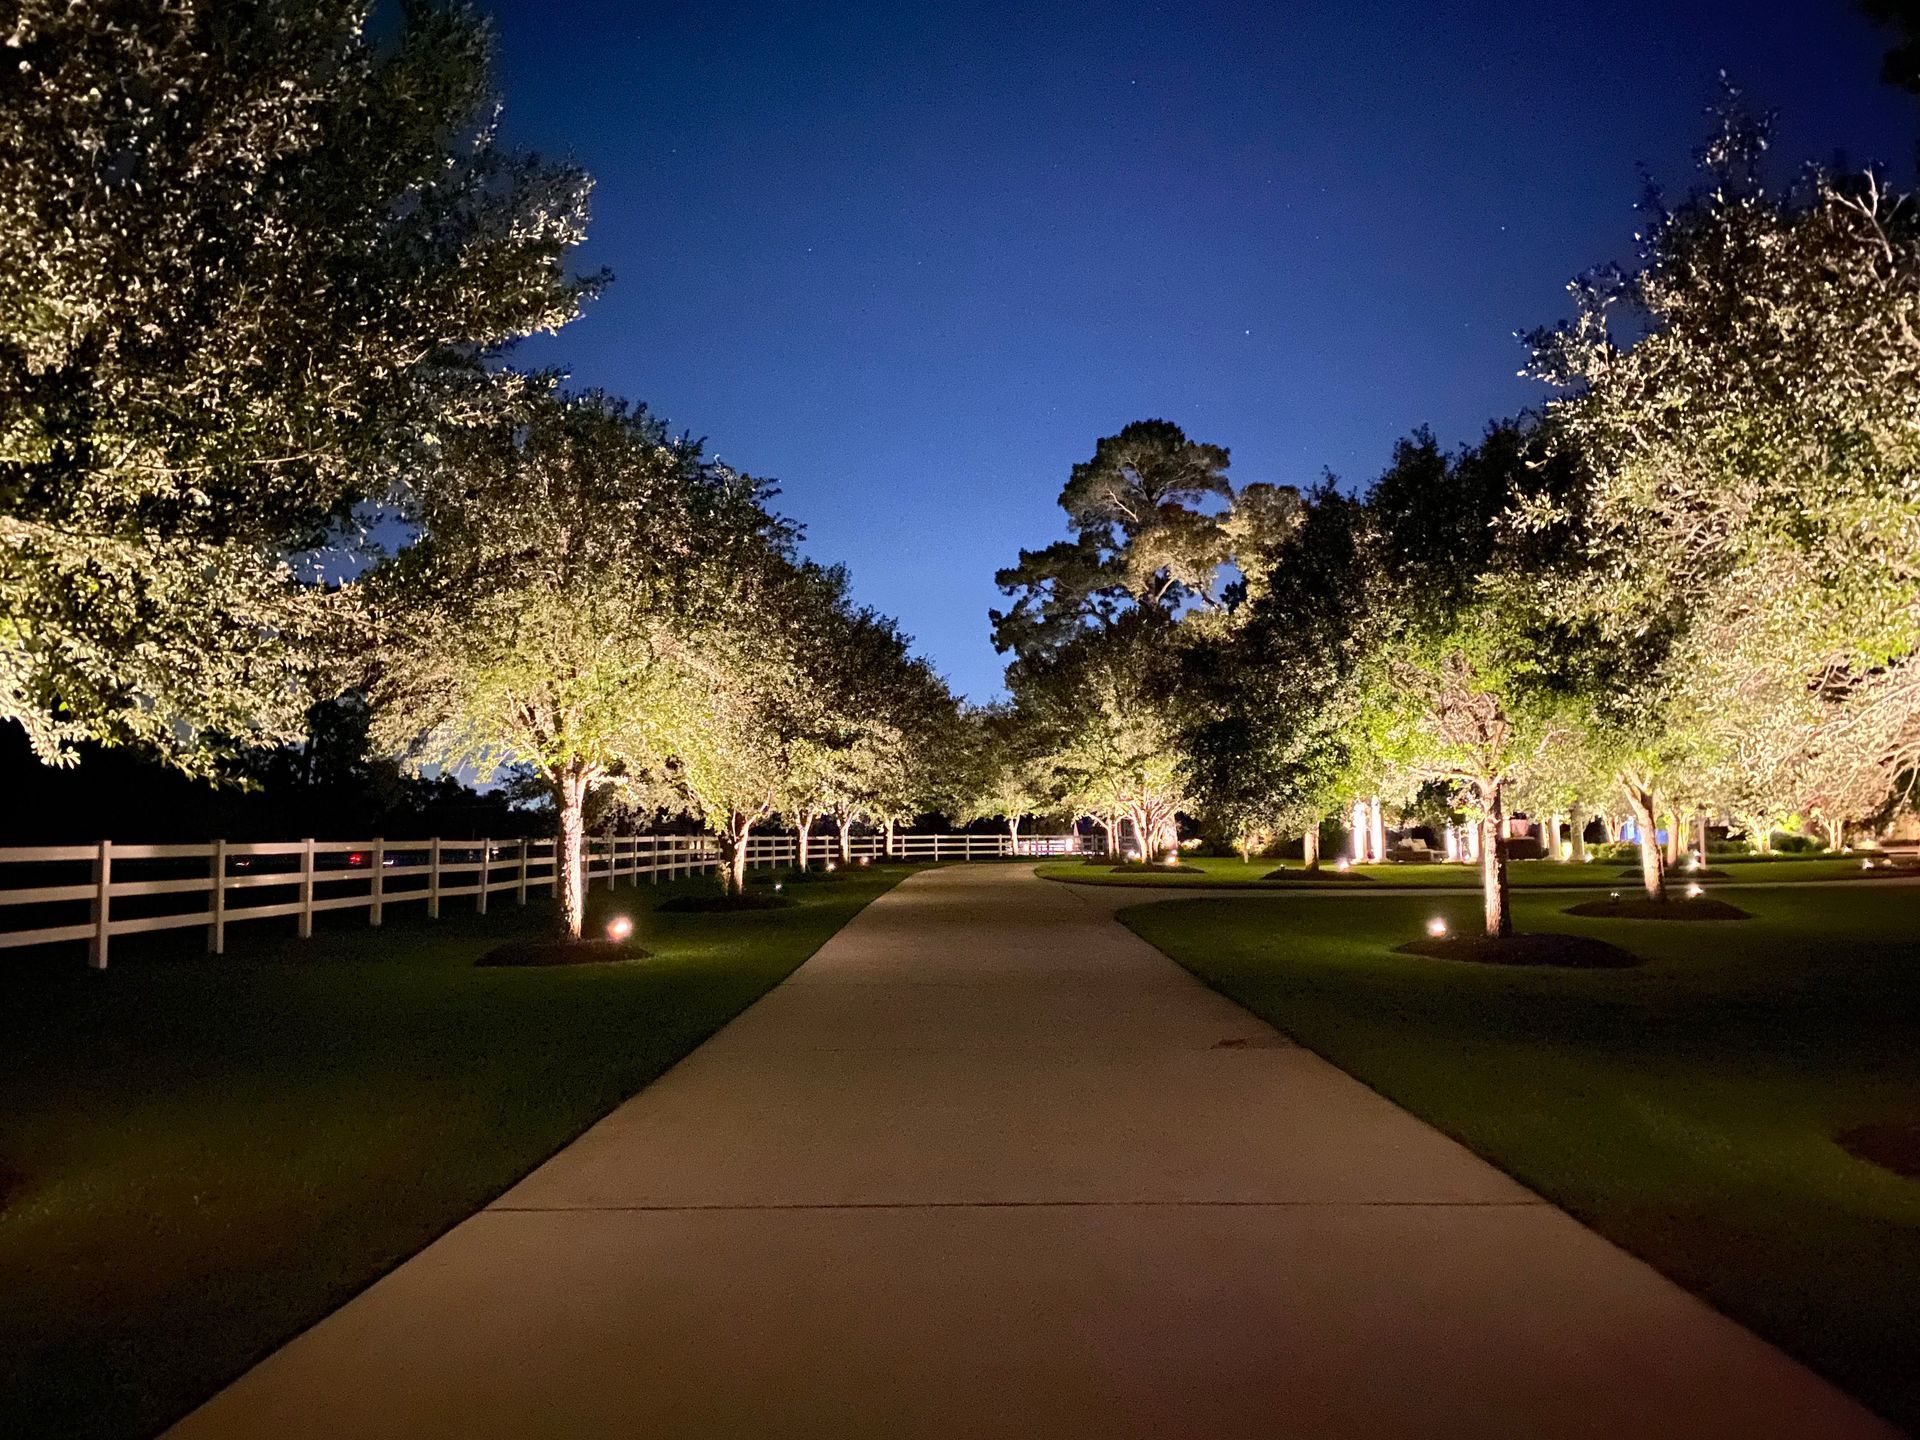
{"points": [[206, 1156], [1685, 1109]]}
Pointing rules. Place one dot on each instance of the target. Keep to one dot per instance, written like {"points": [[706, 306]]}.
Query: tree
{"points": [[1140, 538], [562, 609], [1746, 504], [252, 262], [1264, 719]]}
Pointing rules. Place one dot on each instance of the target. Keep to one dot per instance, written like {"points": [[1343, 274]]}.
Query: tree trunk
{"points": [[846, 841], [739, 833], [1550, 839], [1357, 830], [1577, 834], [1013, 832], [1700, 836], [1607, 831], [1653, 869], [1493, 863], [804, 835], [889, 833], [1470, 835], [1376, 831], [1111, 825], [1673, 838], [571, 867], [1310, 849]]}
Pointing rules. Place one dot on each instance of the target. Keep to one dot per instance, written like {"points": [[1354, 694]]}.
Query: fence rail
{"points": [[316, 876]]}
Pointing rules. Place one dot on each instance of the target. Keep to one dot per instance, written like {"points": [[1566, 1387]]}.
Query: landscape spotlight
{"points": [[830, 867], [1866, 864], [1694, 892], [1614, 895], [619, 928], [863, 860], [1436, 927], [1341, 864], [779, 885]]}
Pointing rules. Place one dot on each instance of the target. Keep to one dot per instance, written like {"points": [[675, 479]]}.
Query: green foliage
{"points": [[251, 261]]}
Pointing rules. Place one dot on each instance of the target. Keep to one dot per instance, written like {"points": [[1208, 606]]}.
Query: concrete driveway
{"points": [[989, 1165]]}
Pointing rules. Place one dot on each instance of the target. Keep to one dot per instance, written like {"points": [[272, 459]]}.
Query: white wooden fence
{"points": [[260, 880]]}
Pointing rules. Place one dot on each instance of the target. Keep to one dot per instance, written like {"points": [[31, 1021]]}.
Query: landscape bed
{"points": [[200, 1157], [1691, 1108]]}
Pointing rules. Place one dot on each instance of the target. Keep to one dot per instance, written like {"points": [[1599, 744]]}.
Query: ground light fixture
{"points": [[1436, 927], [1694, 892], [1341, 864], [778, 886], [1614, 895], [619, 928]]}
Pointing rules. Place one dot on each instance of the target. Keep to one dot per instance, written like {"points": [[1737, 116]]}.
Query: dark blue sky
{"points": [[911, 260]]}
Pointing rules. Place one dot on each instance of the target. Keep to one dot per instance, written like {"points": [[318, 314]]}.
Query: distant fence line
{"points": [[250, 880]]}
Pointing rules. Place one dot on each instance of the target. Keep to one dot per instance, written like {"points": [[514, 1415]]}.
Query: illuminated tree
{"points": [[564, 609], [1741, 403], [252, 262]]}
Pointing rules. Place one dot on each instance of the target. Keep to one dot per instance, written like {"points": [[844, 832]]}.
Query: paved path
{"points": [[989, 1166]]}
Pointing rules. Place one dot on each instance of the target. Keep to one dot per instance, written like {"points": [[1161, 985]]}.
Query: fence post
{"points": [[306, 888], [217, 908], [433, 878], [486, 856], [102, 896], [653, 859], [523, 870], [378, 908]]}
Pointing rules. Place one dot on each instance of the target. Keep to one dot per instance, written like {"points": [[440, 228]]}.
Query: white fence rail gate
{"points": [[260, 880]]}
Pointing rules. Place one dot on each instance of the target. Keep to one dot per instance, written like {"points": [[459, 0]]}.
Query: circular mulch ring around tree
{"points": [[724, 904], [551, 950], [1566, 952], [1326, 872], [1639, 907], [1892, 1145]]}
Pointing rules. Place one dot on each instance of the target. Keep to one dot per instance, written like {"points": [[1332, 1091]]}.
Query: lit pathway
{"points": [[988, 1165]]}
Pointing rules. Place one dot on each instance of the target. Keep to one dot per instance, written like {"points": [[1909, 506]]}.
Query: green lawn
{"points": [[208, 1155], [1230, 871], [1685, 1108]]}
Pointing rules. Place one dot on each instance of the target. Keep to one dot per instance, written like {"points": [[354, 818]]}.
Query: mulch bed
{"points": [[1325, 872], [1138, 869], [562, 951], [1639, 907], [721, 904], [1572, 952], [1894, 1145]]}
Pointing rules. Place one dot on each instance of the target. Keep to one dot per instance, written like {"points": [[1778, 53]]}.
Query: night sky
{"points": [[911, 260]]}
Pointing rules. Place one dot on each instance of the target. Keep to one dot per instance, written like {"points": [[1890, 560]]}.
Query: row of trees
{"points": [[259, 270], [1686, 586]]}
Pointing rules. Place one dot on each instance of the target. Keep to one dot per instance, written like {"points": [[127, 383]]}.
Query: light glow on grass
{"points": [[1436, 927], [620, 928]]}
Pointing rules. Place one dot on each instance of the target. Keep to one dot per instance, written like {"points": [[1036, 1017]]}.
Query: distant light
{"points": [[619, 928], [1436, 927], [1615, 895], [1866, 864], [830, 866], [779, 885], [1341, 864], [1693, 862], [1694, 892], [863, 860]]}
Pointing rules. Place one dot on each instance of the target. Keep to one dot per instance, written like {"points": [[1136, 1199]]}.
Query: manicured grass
{"points": [[1213, 872], [209, 1155], [1685, 1108]]}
